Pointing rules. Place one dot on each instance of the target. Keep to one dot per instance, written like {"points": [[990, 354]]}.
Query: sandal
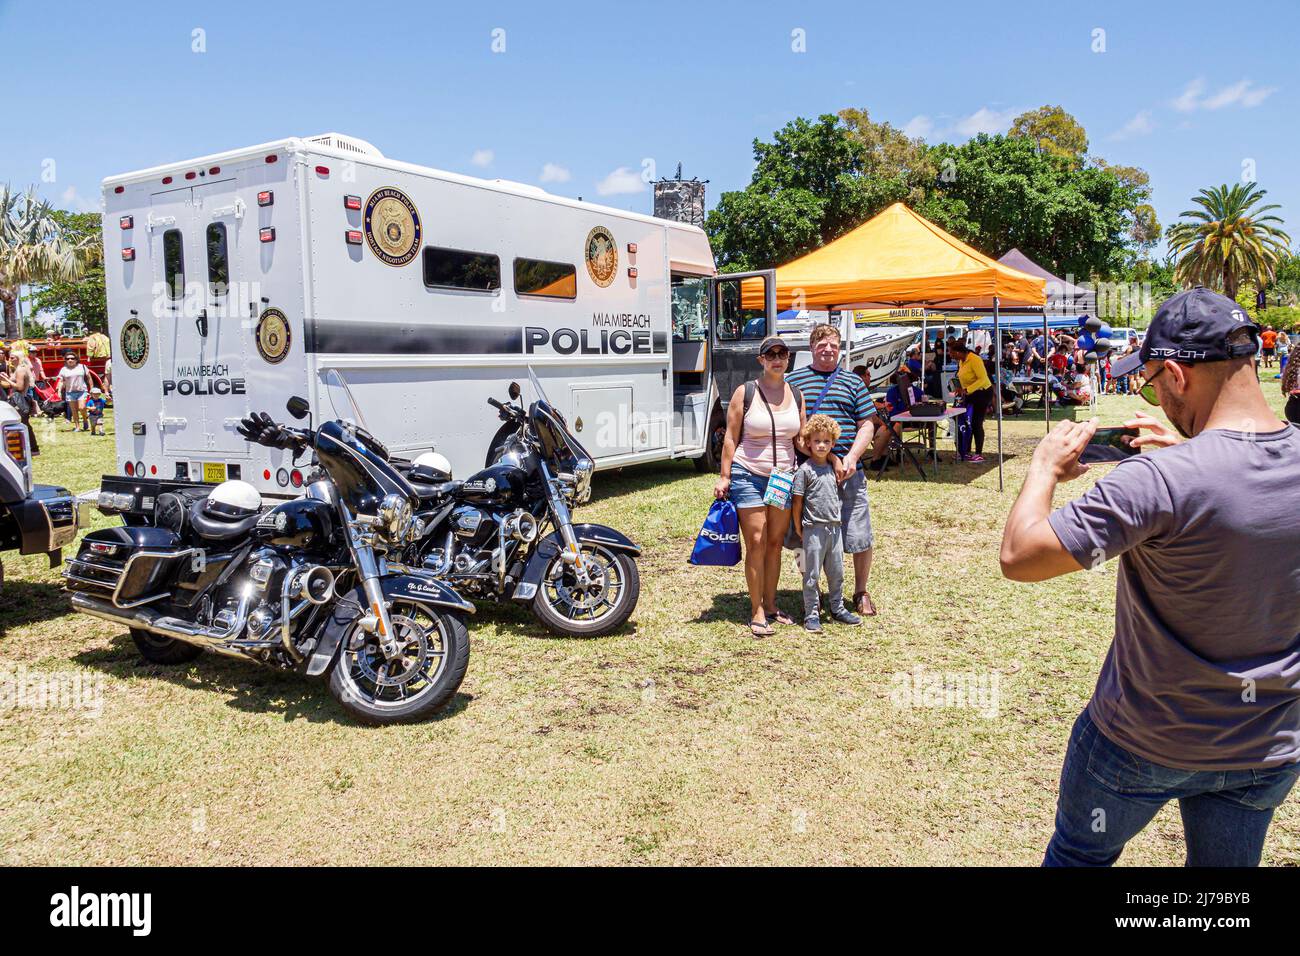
{"points": [[863, 604], [760, 630], [785, 620]]}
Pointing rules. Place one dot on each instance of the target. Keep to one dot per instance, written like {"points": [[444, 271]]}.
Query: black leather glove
{"points": [[260, 429]]}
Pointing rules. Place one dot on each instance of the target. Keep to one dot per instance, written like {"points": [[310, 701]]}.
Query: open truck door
{"points": [[742, 312]]}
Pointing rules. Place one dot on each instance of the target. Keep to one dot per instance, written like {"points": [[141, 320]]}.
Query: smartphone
{"points": [[1110, 444]]}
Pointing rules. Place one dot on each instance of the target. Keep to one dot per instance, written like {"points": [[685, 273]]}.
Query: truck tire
{"points": [[157, 649], [711, 461]]}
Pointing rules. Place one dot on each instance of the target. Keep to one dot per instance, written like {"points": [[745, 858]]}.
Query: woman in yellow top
{"points": [[973, 382]]}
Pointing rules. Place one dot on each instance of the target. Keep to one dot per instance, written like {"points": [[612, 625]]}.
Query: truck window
{"points": [[174, 264], [457, 269], [690, 296], [734, 321], [218, 260], [551, 280]]}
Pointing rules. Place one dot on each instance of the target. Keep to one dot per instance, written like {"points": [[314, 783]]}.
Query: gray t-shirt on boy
{"points": [[821, 493]]}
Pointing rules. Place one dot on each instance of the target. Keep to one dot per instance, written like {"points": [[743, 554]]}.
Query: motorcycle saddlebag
{"points": [[130, 566]]}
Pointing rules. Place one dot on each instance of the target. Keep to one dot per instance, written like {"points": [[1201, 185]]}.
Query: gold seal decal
{"points": [[273, 335], [135, 343], [392, 226], [602, 256]]}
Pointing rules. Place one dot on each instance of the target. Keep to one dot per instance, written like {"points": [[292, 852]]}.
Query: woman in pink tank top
{"points": [[758, 441]]}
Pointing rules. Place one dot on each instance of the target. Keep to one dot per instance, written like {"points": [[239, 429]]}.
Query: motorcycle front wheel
{"points": [[600, 605], [422, 679]]}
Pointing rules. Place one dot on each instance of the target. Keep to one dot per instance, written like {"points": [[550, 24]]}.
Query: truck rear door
{"points": [[199, 238], [742, 314]]}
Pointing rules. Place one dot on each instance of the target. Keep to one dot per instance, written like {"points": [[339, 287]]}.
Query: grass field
{"points": [[682, 740]]}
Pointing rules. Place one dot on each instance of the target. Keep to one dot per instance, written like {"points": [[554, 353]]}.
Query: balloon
{"points": [[1092, 325]]}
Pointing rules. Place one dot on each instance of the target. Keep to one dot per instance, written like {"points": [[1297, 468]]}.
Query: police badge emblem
{"points": [[602, 256], [273, 335], [392, 226], [135, 343]]}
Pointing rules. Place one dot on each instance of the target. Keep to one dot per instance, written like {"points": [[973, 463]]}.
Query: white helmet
{"points": [[432, 461], [233, 499]]}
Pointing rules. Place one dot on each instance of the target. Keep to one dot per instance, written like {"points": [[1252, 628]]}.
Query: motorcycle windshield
{"points": [[550, 422], [341, 399]]}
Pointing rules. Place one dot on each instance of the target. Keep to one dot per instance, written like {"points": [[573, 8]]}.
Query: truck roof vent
{"points": [[347, 144]]}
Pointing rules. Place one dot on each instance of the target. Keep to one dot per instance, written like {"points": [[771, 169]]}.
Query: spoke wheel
{"points": [[430, 665], [590, 605]]}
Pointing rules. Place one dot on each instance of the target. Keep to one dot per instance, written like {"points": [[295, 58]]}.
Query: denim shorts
{"points": [[75, 396], [747, 488]]}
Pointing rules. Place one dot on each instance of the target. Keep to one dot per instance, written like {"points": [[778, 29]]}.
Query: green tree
{"points": [[1054, 132], [1227, 240], [815, 181], [1075, 221], [34, 250], [83, 299]]}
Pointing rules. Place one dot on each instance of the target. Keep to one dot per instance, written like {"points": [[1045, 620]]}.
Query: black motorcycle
{"points": [[304, 586], [487, 536]]}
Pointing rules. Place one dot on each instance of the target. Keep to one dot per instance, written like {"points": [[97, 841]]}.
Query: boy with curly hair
{"points": [[816, 520]]}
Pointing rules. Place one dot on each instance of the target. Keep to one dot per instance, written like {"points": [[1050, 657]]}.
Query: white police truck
{"points": [[241, 278]]}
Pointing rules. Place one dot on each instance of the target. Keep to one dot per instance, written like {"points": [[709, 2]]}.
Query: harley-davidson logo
{"points": [[392, 226], [135, 343], [602, 256]]}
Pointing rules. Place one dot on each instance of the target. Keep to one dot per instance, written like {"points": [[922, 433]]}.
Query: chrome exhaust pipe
{"points": [[214, 638]]}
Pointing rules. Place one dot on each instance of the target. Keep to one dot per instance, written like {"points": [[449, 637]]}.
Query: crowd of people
{"points": [[76, 396]]}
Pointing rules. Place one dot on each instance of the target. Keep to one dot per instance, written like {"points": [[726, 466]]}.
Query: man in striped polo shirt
{"points": [[849, 403]]}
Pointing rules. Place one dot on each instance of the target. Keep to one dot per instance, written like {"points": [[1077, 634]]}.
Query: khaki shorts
{"points": [[855, 514]]}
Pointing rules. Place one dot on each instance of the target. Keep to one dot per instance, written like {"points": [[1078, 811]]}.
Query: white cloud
{"points": [[619, 182], [1189, 99], [1139, 125], [554, 173], [919, 126], [482, 157], [985, 120], [76, 202], [1243, 93]]}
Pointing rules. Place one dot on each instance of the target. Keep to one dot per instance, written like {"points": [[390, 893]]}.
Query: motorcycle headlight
{"points": [[582, 472], [396, 518]]}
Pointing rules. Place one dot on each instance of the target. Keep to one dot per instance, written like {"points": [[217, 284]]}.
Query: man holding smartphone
{"points": [[1199, 697]]}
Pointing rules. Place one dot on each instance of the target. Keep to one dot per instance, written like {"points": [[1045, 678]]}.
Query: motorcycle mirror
{"points": [[514, 391], [297, 407]]}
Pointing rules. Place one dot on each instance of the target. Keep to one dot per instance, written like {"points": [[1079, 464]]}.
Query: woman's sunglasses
{"points": [[779, 354]]}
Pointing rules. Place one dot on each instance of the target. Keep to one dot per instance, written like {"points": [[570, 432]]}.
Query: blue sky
{"points": [[584, 95]]}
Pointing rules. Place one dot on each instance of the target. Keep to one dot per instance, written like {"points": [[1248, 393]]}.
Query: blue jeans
{"points": [[1108, 795]]}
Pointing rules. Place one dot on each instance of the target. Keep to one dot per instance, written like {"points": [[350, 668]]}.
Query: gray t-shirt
{"points": [[1204, 670], [821, 493]]}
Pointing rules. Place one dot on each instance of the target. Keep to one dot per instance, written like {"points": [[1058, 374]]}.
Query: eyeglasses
{"points": [[779, 354], [1148, 391]]}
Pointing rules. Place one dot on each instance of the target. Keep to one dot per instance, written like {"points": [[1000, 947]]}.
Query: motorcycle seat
{"points": [[432, 492], [216, 528]]}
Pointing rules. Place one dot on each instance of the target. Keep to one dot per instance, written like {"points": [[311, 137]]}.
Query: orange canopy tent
{"points": [[896, 258]]}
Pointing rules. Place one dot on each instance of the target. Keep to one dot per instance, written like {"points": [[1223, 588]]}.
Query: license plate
{"points": [[214, 471]]}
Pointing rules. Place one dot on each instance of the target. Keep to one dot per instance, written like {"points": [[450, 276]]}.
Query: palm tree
{"points": [[34, 250], [1228, 240]]}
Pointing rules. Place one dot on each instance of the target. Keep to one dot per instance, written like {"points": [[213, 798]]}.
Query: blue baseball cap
{"points": [[1192, 327]]}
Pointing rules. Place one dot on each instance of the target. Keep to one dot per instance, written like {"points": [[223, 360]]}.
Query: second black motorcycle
{"points": [[507, 531]]}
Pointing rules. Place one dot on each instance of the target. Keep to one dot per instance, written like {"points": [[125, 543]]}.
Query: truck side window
{"points": [[457, 269], [552, 280], [690, 297], [734, 321], [174, 264], [218, 260]]}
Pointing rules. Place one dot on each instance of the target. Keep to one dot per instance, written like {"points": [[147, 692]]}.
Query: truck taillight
{"points": [[353, 237], [631, 273], [214, 170], [322, 170], [130, 470], [351, 202], [16, 443], [119, 189], [128, 254], [191, 174], [272, 158], [127, 222], [266, 198], [295, 478], [167, 180], [266, 234], [631, 248]]}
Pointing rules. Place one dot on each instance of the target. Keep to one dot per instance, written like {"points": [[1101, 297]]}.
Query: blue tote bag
{"points": [[719, 540]]}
